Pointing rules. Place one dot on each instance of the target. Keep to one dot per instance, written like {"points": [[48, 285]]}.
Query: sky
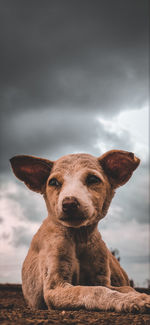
{"points": [[74, 78]]}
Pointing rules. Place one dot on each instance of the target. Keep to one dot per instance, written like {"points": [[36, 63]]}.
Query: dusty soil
{"points": [[13, 310]]}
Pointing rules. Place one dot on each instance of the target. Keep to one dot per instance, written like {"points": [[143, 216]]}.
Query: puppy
{"points": [[68, 266]]}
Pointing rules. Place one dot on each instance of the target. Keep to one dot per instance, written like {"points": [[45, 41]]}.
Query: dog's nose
{"points": [[70, 204]]}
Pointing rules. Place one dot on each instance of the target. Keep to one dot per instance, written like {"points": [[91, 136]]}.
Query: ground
{"points": [[13, 310]]}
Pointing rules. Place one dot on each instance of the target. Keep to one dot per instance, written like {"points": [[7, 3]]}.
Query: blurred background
{"points": [[74, 78]]}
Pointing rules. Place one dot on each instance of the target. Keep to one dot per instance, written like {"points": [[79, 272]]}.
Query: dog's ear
{"points": [[118, 166], [32, 171]]}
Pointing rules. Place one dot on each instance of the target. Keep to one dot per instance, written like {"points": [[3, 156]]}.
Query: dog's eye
{"points": [[54, 182], [92, 179]]}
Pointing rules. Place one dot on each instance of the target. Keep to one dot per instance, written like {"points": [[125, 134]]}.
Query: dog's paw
{"points": [[134, 303]]}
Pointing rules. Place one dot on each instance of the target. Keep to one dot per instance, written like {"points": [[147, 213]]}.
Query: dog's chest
{"points": [[84, 273], [93, 262]]}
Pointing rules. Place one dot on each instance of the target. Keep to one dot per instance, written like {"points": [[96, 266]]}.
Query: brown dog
{"points": [[68, 265]]}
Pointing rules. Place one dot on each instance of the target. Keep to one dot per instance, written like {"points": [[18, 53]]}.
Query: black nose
{"points": [[70, 204]]}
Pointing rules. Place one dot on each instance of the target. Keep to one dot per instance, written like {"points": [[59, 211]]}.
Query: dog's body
{"points": [[68, 265]]}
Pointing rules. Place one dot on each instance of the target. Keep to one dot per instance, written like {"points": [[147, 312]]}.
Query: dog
{"points": [[68, 266]]}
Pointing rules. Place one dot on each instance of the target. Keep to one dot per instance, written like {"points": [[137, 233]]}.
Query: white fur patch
{"points": [[73, 186]]}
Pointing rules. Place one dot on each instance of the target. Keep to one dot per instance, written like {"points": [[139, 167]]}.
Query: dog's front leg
{"points": [[66, 296], [58, 273], [59, 292]]}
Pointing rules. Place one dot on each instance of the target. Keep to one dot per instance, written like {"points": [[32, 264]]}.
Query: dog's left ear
{"points": [[33, 171], [118, 166]]}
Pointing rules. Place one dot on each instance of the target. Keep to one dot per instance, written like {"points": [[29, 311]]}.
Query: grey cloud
{"points": [[21, 236], [33, 207], [32, 204], [74, 54], [1, 220], [63, 65], [5, 236], [136, 259], [122, 141], [52, 134], [134, 198]]}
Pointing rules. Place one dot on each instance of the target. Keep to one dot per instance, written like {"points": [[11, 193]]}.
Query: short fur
{"points": [[68, 265]]}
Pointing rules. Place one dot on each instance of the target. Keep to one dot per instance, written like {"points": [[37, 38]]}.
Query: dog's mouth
{"points": [[73, 219]]}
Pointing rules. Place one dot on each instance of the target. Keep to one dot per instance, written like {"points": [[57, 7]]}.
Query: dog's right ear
{"points": [[119, 166], [32, 171]]}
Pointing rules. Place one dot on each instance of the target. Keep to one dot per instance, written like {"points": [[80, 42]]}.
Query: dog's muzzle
{"points": [[72, 212], [70, 205]]}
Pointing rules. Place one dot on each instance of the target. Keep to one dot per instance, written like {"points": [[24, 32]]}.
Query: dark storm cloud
{"points": [[52, 134], [74, 54], [65, 63]]}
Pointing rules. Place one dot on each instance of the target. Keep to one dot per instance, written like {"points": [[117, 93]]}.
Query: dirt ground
{"points": [[13, 310]]}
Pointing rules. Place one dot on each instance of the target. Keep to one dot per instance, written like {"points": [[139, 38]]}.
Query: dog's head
{"points": [[78, 188]]}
